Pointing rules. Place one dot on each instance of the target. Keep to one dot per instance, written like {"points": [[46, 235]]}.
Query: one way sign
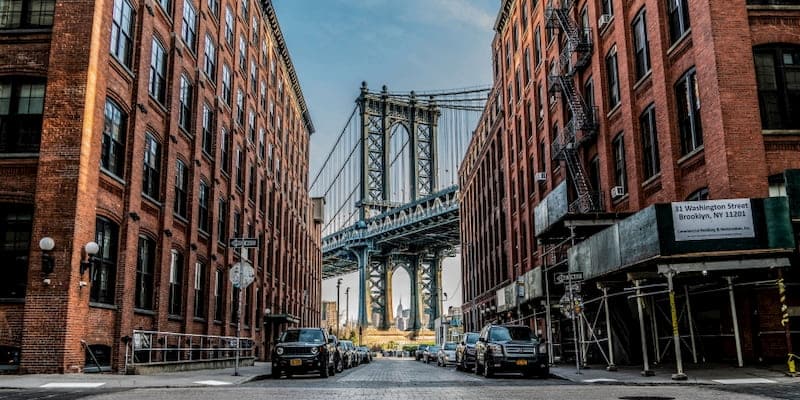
{"points": [[564, 277], [244, 242]]}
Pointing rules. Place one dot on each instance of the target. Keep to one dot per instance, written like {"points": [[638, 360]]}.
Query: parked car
{"points": [[304, 350], [510, 349], [349, 353], [420, 351], [339, 354], [430, 354], [465, 351], [366, 355], [446, 354]]}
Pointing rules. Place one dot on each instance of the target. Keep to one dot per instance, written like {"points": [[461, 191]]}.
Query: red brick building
{"points": [[609, 107], [158, 129]]}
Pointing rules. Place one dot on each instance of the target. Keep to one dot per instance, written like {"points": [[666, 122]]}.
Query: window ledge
{"points": [[679, 42], [112, 176], [12, 300], [181, 219], [25, 31], [773, 7], [217, 322], [643, 79], [117, 64], [94, 304], [779, 132], [614, 110], [152, 200], [143, 311], [621, 199], [199, 319], [173, 317], [608, 26], [690, 155], [19, 155]]}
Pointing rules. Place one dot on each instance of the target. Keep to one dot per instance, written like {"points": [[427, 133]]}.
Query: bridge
{"points": [[391, 196]]}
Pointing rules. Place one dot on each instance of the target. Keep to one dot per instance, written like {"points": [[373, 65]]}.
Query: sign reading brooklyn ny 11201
{"points": [[713, 219]]}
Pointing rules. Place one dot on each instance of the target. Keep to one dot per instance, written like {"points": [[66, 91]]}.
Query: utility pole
{"points": [[347, 308], [338, 306]]}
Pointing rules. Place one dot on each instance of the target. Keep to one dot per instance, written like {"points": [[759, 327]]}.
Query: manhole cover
{"points": [[646, 398]]}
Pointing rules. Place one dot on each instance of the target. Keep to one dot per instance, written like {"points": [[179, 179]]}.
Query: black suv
{"points": [[303, 350], [510, 349]]}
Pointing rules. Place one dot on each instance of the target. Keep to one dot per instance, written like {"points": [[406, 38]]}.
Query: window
{"points": [[242, 53], [226, 84], [251, 126], [640, 45], [239, 168], [21, 108], [185, 112], [235, 293], [650, 158], [691, 128], [540, 101], [104, 268], [189, 28], [778, 77], [166, 5], [698, 195], [229, 26], [262, 204], [594, 173], [203, 198], [508, 54], [262, 149], [26, 14], [112, 158], [158, 72], [199, 290], [16, 223], [608, 7], [208, 130], [222, 218], [219, 281], [152, 168], [678, 11], [527, 65], [237, 224], [537, 46], [175, 282], [251, 190], [225, 152], [515, 36], [524, 15], [145, 267], [588, 96], [245, 10], [213, 5], [263, 99], [181, 187], [121, 31], [613, 79], [210, 66], [239, 106], [620, 176], [254, 28], [253, 76]]}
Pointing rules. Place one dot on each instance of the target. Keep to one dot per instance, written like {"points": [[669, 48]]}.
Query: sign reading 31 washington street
{"points": [[713, 219]]}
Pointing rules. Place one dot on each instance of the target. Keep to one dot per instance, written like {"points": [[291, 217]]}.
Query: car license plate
{"points": [[296, 362], [522, 362]]}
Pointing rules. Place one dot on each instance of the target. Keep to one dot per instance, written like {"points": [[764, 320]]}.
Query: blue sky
{"points": [[405, 44]]}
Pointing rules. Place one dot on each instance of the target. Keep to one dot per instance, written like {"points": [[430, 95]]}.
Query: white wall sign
{"points": [[713, 219]]}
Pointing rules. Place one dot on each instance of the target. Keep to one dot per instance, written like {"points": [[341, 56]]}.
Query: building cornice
{"points": [[502, 16], [269, 10]]}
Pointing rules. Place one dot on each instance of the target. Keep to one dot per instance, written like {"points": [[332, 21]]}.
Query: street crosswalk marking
{"points": [[599, 380], [743, 381], [72, 385], [213, 383]]}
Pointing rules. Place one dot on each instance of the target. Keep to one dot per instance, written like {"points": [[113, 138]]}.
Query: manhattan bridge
{"points": [[390, 184]]}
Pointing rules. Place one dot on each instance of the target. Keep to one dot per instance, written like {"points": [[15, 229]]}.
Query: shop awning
{"points": [[281, 319]]}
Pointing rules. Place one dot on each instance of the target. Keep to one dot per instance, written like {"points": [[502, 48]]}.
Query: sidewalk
{"points": [[206, 377], [704, 375]]}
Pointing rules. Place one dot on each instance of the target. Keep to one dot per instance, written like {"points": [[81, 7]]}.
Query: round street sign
{"points": [[571, 310], [248, 275]]}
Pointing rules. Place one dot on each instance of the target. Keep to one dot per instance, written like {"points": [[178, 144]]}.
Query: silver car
{"points": [[447, 354]]}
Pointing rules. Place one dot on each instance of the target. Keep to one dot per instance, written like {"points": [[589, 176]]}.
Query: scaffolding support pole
{"points": [[735, 320], [679, 375], [691, 323], [654, 326], [646, 371], [548, 321], [611, 365]]}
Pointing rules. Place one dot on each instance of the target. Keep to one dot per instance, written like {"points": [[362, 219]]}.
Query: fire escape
{"points": [[575, 56]]}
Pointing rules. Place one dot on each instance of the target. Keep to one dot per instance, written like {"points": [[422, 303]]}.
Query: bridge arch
{"points": [[400, 163]]}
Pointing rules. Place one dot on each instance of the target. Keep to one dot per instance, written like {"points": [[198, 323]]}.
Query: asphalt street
{"points": [[410, 380]]}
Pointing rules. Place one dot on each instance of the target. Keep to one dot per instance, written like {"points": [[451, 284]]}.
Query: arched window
{"points": [[699, 194], [778, 77], [104, 270]]}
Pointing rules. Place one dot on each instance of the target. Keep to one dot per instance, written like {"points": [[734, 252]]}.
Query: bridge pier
{"points": [[413, 272], [362, 256]]}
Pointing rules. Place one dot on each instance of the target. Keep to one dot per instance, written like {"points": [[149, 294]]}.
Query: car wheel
{"points": [[339, 365], [544, 373], [487, 370]]}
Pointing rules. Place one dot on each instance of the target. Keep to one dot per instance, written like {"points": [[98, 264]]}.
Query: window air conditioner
{"points": [[617, 192], [604, 20], [541, 176]]}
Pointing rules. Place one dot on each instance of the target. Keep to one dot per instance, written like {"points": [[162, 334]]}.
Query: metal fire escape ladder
{"points": [[575, 55]]}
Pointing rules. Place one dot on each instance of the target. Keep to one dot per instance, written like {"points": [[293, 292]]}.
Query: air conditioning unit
{"points": [[617, 192], [541, 176], [604, 20]]}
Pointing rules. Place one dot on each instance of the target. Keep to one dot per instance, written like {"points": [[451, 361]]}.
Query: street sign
{"points": [[564, 277], [248, 275], [243, 242], [571, 309]]}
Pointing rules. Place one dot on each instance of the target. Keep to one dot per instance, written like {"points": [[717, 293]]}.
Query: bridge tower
{"points": [[381, 116]]}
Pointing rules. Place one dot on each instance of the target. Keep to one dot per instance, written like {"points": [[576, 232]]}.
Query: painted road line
{"points": [[743, 381], [213, 383], [598, 380], [72, 385]]}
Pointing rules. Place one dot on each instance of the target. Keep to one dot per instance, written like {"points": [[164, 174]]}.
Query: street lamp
{"points": [[520, 295], [338, 307], [347, 308]]}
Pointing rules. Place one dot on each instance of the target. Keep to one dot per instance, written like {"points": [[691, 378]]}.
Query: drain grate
{"points": [[646, 398]]}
